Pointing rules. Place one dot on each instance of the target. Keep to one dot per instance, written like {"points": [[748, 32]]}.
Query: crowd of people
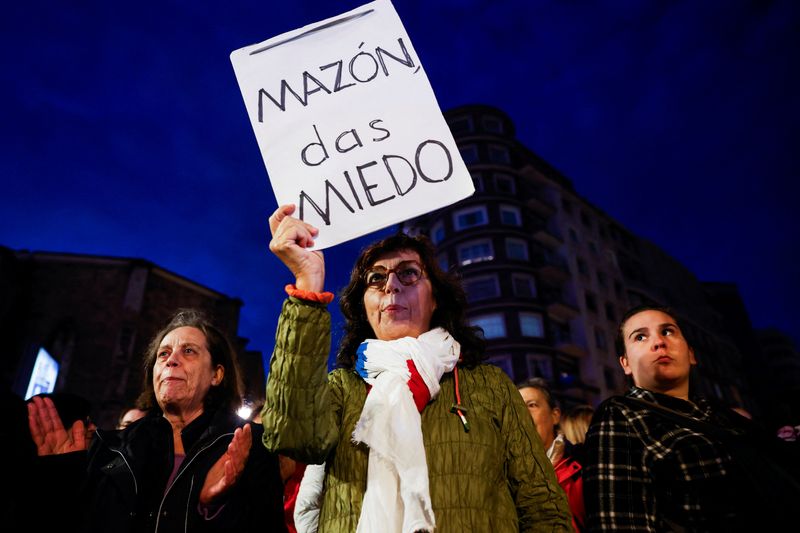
{"points": [[413, 431]]}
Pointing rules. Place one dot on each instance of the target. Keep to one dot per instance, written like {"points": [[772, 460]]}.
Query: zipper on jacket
{"points": [[184, 466]]}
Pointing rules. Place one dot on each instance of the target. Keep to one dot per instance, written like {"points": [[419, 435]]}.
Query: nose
{"points": [[658, 341], [172, 360], [392, 283]]}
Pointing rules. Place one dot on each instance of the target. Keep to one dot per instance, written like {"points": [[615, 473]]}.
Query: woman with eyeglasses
{"points": [[416, 432]]}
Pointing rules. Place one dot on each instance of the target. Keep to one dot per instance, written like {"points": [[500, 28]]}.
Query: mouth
{"points": [[392, 308], [664, 359]]}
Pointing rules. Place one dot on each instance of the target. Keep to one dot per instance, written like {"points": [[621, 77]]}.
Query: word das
{"points": [[374, 178], [315, 153], [362, 67]]}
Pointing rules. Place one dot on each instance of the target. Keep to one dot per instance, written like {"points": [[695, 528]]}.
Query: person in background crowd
{"points": [[575, 423], [417, 432], [662, 459], [128, 416], [546, 414], [309, 499], [188, 465]]}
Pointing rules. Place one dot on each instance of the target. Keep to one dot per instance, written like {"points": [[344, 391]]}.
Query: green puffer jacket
{"points": [[496, 478]]}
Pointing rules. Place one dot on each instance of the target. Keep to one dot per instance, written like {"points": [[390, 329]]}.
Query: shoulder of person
{"points": [[489, 370]]}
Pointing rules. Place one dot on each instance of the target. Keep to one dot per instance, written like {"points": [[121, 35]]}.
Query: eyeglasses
{"points": [[408, 272]]}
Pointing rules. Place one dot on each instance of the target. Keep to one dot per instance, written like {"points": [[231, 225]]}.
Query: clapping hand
{"points": [[228, 468], [48, 432]]}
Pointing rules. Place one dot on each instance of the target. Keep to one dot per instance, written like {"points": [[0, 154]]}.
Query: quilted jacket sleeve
{"points": [[299, 415], [541, 503]]}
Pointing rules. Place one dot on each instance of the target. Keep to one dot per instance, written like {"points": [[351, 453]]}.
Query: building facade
{"points": [[95, 315], [548, 275]]}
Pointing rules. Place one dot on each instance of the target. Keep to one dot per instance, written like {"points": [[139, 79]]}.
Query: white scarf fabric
{"points": [[398, 497]]}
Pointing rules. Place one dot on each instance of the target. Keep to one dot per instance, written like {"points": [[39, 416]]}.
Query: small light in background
{"points": [[245, 410]]}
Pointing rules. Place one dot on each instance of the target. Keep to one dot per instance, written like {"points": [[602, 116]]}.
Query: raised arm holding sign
{"points": [[348, 125]]}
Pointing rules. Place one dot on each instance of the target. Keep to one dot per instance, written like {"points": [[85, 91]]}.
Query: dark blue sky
{"points": [[124, 132]]}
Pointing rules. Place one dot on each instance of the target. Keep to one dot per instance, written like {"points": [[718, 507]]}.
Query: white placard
{"points": [[348, 125]]}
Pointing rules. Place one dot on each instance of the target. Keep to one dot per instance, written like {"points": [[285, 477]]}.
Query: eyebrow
{"points": [[401, 263], [194, 344], [645, 328]]}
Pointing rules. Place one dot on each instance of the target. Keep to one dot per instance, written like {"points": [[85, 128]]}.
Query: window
{"points": [[610, 313], [437, 232], [516, 249], [477, 180], [573, 235], [481, 288], [461, 125], [531, 325], [567, 368], [567, 205], [499, 154], [540, 366], [593, 247], [475, 252], [560, 332], [510, 216], [602, 279], [504, 363], [612, 258], [493, 326], [583, 268], [444, 264], [504, 184], [591, 302], [600, 339], [493, 124], [585, 220], [524, 286], [469, 217], [469, 154]]}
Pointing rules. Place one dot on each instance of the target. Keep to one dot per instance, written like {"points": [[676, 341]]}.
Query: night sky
{"points": [[124, 132]]}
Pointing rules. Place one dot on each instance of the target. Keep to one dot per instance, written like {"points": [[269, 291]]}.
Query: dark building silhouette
{"points": [[95, 316], [779, 374], [548, 275]]}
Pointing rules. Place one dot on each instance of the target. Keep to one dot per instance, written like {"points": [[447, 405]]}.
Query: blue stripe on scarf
{"points": [[361, 360]]}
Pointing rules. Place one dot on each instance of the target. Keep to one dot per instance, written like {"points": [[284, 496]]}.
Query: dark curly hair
{"points": [[449, 295], [226, 395]]}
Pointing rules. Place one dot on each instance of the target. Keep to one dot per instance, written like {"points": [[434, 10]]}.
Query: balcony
{"points": [[559, 307], [562, 311], [547, 238], [570, 347], [540, 206], [551, 268]]}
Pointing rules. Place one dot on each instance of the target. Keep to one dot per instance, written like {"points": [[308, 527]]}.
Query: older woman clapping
{"points": [[189, 464], [416, 432]]}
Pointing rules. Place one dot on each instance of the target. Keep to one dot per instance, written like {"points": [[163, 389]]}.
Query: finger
{"points": [[278, 216], [53, 418], [35, 422], [230, 473], [45, 421], [247, 439], [79, 434]]}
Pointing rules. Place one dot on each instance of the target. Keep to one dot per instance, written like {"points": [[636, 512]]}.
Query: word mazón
{"points": [[362, 67]]}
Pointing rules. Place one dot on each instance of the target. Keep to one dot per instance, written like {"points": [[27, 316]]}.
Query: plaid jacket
{"points": [[644, 472]]}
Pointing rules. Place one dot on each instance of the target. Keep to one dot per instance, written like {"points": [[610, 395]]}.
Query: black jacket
{"points": [[126, 472]]}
